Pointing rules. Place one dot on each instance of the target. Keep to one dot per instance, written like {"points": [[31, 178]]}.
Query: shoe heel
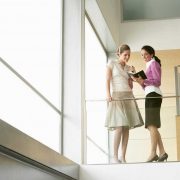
{"points": [[163, 158]]}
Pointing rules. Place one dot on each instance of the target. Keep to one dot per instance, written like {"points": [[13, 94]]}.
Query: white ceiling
{"points": [[150, 9]]}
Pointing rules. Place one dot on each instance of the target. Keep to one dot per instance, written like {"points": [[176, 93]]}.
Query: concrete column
{"points": [[73, 62]]}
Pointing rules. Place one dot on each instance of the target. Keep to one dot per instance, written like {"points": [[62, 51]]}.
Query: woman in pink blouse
{"points": [[153, 102]]}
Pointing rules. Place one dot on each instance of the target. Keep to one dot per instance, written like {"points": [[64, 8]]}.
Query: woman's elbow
{"points": [[157, 83]]}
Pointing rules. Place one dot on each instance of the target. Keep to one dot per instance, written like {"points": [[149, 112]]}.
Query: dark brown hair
{"points": [[151, 51]]}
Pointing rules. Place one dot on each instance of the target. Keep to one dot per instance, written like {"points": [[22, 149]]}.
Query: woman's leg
{"points": [[160, 145], [154, 135], [117, 140], [162, 154], [125, 137]]}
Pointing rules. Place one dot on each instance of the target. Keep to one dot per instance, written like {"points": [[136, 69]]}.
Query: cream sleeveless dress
{"points": [[121, 112]]}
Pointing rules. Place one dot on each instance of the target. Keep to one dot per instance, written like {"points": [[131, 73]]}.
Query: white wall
{"points": [[161, 34]]}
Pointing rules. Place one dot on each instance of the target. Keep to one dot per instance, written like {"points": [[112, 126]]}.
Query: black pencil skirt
{"points": [[152, 110]]}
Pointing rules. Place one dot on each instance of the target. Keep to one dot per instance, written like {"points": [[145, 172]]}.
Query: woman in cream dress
{"points": [[122, 115]]}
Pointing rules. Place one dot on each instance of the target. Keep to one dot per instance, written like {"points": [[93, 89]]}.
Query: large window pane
{"points": [[30, 43], [26, 111]]}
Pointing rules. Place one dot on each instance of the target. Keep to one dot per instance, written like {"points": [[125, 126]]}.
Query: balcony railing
{"points": [[99, 141]]}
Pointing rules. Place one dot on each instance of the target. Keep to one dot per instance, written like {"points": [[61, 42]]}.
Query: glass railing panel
{"points": [[96, 133], [95, 154], [139, 143]]}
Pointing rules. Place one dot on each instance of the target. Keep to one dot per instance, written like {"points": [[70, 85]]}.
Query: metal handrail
{"points": [[124, 99], [30, 86]]}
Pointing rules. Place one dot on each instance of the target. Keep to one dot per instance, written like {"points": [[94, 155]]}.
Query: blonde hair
{"points": [[122, 48]]}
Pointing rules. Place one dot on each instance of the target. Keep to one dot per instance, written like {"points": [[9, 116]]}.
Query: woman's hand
{"points": [[140, 80], [132, 69], [133, 78], [109, 98]]}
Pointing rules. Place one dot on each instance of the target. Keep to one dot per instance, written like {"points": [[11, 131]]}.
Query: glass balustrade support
{"points": [[178, 136], [177, 86]]}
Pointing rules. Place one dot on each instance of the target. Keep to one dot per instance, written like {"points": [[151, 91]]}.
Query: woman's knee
{"points": [[152, 128]]}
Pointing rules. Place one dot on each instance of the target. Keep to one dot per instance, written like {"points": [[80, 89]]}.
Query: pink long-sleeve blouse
{"points": [[153, 73], [153, 81]]}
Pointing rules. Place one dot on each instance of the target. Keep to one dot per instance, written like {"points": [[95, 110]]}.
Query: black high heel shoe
{"points": [[155, 158], [163, 157]]}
